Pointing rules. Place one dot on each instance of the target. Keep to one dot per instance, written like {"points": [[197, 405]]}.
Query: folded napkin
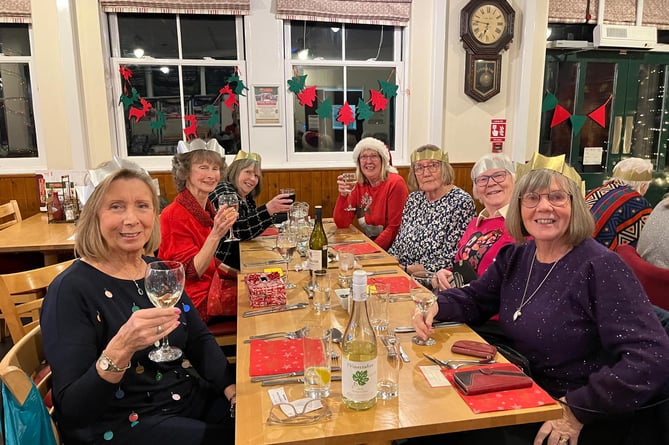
{"points": [[357, 248], [270, 231], [398, 285], [270, 357], [530, 397]]}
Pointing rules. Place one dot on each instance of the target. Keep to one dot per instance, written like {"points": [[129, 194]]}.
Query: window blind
{"points": [[227, 7], [623, 12], [373, 12], [15, 11]]}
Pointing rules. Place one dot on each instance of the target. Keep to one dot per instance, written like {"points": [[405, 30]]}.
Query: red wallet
{"points": [[480, 381], [474, 348]]}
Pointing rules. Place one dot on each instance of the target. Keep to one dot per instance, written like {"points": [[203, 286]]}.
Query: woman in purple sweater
{"points": [[574, 309]]}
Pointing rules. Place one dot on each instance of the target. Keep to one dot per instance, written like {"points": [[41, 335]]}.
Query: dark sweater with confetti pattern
{"points": [[83, 310], [589, 333]]}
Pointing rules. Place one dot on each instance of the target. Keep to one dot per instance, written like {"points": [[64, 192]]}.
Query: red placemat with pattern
{"points": [[276, 356], [502, 400], [270, 231], [398, 285], [357, 248]]}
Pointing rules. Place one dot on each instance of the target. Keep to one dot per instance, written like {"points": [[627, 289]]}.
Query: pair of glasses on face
{"points": [[557, 198], [369, 157], [288, 414], [497, 178], [432, 167]]}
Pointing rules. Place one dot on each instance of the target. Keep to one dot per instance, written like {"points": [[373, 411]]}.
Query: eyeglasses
{"points": [[290, 414], [431, 167], [497, 178], [369, 157], [557, 198]]}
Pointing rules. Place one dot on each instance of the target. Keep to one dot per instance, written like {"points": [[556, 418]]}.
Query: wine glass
{"points": [[350, 179], [286, 243], [423, 294], [164, 282], [231, 200]]}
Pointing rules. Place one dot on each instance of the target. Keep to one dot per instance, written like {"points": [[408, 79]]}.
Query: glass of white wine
{"points": [[231, 200], [286, 244], [423, 294], [351, 179], [164, 283]]}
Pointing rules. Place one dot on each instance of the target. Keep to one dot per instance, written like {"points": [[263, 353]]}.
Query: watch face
{"points": [[487, 24], [104, 363]]}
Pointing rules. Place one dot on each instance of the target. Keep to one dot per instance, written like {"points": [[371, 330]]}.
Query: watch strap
{"points": [[111, 366]]}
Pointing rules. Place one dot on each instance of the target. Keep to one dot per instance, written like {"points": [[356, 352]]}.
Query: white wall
{"points": [[76, 130]]}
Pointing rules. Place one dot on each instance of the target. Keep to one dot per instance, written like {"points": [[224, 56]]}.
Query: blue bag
{"points": [[27, 424]]}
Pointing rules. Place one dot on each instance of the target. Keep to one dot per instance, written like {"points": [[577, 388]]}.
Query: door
{"points": [[631, 86]]}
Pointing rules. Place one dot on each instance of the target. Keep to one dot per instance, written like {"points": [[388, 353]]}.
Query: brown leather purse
{"points": [[474, 348]]}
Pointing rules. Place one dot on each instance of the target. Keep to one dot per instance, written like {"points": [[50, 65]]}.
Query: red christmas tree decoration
{"points": [[307, 96], [378, 100], [191, 128], [345, 115], [559, 115]]}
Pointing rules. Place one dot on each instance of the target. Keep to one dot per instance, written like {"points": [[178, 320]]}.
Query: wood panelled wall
{"points": [[318, 186]]}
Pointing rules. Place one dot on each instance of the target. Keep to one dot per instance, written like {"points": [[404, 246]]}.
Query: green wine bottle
{"points": [[318, 244], [359, 366]]}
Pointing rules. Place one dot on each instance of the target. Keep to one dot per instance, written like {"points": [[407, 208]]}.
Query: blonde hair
{"points": [[235, 169], [89, 242]]}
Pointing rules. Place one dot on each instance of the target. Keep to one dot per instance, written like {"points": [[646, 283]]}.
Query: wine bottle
{"points": [[318, 244], [359, 366]]}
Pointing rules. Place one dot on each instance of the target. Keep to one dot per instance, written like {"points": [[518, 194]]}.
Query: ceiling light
{"points": [[138, 52], [164, 69]]}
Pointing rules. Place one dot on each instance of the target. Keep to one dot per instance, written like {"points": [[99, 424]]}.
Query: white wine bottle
{"points": [[359, 366], [318, 244]]}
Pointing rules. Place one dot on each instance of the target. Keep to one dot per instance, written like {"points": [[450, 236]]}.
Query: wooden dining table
{"points": [[35, 234], [418, 410]]}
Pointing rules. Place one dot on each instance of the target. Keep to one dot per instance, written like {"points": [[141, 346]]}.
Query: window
{"points": [[18, 138], [344, 62], [170, 68]]}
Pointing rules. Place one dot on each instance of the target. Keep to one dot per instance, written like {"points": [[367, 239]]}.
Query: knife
{"points": [[380, 272], [263, 378], [352, 241], [403, 354], [271, 310], [334, 378], [403, 329], [399, 297], [264, 263]]}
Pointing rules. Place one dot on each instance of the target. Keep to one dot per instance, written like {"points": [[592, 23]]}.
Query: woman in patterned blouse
{"points": [[435, 215]]}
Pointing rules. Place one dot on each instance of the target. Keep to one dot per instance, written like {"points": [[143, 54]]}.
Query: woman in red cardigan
{"points": [[191, 228]]}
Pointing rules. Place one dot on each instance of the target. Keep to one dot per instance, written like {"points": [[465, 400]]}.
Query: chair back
{"points": [[25, 364], [21, 296], [655, 280], [10, 214]]}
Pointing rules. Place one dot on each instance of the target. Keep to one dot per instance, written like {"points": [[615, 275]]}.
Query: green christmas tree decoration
{"points": [[577, 122], [389, 89], [324, 110], [364, 112], [296, 83], [549, 102]]}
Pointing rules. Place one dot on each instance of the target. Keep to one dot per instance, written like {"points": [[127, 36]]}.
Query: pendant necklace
{"points": [[523, 301], [141, 292]]}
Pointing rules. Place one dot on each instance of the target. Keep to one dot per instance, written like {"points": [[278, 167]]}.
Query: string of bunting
{"points": [[379, 100], [137, 107], [561, 114]]}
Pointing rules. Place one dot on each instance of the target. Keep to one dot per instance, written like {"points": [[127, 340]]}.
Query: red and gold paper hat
{"points": [[555, 163]]}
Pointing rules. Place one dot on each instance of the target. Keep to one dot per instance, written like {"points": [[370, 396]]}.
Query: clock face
{"points": [[487, 24]]}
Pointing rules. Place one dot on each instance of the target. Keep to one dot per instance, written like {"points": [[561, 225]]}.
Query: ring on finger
{"points": [[563, 439], [159, 329]]}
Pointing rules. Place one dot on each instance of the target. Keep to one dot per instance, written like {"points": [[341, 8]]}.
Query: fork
{"points": [[334, 359], [284, 334], [455, 364]]}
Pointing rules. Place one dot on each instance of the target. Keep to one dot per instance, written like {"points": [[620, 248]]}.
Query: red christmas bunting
{"points": [[307, 96], [378, 100], [191, 128], [599, 114], [138, 113], [559, 115], [345, 115]]}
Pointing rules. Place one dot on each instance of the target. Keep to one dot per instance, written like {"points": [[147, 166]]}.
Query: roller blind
{"points": [[229, 7], [15, 11], [655, 12], [374, 12]]}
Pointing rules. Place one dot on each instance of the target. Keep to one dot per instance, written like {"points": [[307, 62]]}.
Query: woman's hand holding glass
{"points": [[346, 183], [223, 221], [231, 200], [422, 322], [164, 282], [423, 294]]}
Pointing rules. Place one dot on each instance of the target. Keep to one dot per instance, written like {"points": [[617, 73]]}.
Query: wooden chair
{"points": [[225, 333], [21, 297], [10, 214], [25, 364]]}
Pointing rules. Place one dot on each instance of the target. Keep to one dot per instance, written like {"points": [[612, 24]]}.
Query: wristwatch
{"points": [[108, 365]]}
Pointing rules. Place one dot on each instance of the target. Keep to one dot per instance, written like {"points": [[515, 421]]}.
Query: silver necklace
{"points": [[140, 291], [523, 302]]}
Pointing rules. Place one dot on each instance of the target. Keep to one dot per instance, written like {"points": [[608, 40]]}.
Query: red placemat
{"points": [[276, 356], [357, 248], [398, 285], [270, 231], [503, 400]]}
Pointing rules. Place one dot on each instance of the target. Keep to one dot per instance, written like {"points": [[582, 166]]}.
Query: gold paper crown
{"points": [[241, 154], [626, 170], [555, 163], [438, 155]]}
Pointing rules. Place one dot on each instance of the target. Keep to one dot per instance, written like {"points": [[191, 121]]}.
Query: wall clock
{"points": [[486, 29]]}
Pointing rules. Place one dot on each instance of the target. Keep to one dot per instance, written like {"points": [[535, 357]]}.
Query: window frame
{"points": [[21, 165], [400, 51], [164, 162]]}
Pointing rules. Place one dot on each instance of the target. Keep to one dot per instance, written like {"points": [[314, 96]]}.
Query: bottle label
{"points": [[358, 380], [315, 261]]}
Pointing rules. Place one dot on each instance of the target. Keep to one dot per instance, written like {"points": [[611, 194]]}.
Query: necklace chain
{"points": [[139, 289], [523, 301]]}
